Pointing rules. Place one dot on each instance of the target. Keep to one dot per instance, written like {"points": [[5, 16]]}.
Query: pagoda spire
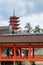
{"points": [[14, 12]]}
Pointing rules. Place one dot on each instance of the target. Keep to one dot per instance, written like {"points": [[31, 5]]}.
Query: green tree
{"points": [[42, 30], [37, 29], [28, 27]]}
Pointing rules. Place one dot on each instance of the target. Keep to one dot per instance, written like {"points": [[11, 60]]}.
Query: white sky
{"points": [[28, 10]]}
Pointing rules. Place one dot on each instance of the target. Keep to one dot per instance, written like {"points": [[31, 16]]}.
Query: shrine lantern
{"points": [[14, 23]]}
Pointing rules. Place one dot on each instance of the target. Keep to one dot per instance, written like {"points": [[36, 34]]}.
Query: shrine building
{"points": [[19, 47]]}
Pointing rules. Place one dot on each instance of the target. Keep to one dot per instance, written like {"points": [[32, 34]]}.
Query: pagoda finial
{"points": [[14, 12]]}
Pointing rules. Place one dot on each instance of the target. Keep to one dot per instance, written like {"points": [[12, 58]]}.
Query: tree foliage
{"points": [[28, 27], [37, 29]]}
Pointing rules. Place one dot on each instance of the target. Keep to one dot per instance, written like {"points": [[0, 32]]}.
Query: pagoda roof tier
{"points": [[14, 24], [13, 21], [15, 27], [14, 17]]}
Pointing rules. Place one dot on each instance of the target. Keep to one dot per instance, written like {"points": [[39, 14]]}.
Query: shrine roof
{"points": [[13, 38], [23, 34], [4, 27]]}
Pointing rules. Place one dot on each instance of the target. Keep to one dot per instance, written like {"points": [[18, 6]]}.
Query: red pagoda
{"points": [[14, 23]]}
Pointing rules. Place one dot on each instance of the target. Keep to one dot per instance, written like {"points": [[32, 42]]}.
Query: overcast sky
{"points": [[28, 10]]}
